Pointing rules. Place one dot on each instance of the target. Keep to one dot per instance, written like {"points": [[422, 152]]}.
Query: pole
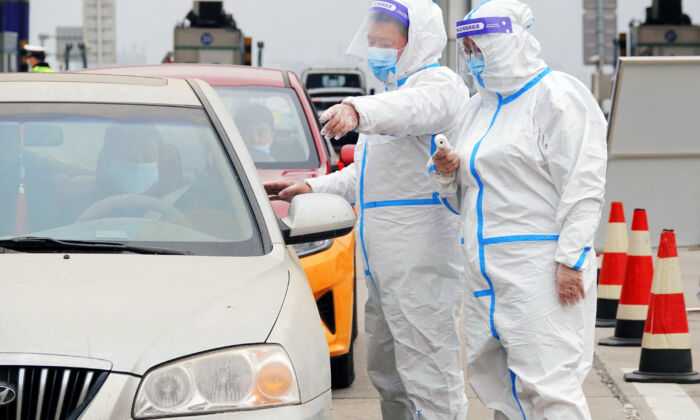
{"points": [[83, 54], [601, 36], [261, 45], [69, 47], [99, 33]]}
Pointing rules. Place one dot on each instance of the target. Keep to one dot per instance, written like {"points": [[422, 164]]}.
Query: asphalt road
{"points": [[609, 397]]}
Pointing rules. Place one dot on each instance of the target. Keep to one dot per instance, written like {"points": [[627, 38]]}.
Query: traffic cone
{"points": [[666, 353], [612, 271], [636, 286]]}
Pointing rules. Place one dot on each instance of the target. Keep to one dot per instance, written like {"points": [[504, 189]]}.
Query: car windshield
{"points": [[333, 80], [154, 176], [273, 126]]}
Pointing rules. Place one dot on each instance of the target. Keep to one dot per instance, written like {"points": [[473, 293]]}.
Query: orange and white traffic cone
{"points": [[666, 353], [612, 271], [636, 286]]}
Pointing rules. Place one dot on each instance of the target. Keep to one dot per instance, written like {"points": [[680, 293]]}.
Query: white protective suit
{"points": [[409, 238], [531, 182]]}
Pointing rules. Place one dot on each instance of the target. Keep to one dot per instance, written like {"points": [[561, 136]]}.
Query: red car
{"points": [[277, 120]]}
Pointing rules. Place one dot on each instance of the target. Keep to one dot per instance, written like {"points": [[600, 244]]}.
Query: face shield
{"points": [[381, 38], [470, 59]]}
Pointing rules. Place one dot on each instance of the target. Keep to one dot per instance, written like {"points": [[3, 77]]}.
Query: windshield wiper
{"points": [[36, 243]]}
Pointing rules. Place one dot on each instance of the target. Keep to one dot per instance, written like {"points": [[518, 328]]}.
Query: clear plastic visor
{"points": [[466, 50], [385, 26], [468, 33]]}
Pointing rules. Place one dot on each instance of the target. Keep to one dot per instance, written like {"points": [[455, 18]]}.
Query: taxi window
{"points": [[273, 126]]}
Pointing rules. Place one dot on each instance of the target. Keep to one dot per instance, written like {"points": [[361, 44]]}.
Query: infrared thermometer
{"points": [[442, 143]]}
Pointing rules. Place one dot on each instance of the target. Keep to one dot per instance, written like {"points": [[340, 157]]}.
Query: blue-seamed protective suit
{"points": [[409, 238], [531, 182]]}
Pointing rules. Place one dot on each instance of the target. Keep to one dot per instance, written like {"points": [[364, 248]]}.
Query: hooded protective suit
{"points": [[409, 238], [531, 182]]}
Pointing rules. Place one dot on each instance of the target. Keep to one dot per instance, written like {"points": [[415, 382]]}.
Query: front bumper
{"points": [[115, 399], [333, 271]]}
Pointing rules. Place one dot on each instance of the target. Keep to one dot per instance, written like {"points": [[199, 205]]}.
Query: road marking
{"points": [[667, 401]]}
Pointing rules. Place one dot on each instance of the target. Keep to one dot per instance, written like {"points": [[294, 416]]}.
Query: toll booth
{"points": [[667, 31], [208, 45], [209, 35], [665, 40]]}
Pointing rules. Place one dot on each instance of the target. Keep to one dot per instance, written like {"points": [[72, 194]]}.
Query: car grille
{"points": [[47, 393], [326, 309]]}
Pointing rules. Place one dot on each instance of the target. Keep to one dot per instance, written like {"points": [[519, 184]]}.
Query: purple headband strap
{"points": [[393, 9], [481, 26]]}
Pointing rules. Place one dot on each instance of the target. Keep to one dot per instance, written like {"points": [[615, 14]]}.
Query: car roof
{"points": [[333, 70], [95, 88], [214, 74]]}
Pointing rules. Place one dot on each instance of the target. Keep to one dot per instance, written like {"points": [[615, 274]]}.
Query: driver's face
{"points": [[263, 135]]}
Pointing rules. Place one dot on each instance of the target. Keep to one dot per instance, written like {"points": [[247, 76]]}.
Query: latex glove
{"points": [[569, 285], [286, 190], [340, 120], [446, 161]]}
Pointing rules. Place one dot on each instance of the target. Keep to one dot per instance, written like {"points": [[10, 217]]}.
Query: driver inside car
{"points": [[135, 160]]}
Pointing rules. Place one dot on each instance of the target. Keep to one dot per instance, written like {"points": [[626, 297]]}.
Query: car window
{"points": [[331, 80], [273, 126], [147, 175], [321, 106]]}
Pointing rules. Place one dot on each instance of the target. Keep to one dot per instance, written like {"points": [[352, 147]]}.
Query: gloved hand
{"points": [[340, 120], [285, 190], [569, 285], [446, 161]]}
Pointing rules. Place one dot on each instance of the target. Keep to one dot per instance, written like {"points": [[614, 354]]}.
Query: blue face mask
{"points": [[476, 64], [134, 178], [382, 61], [265, 149]]}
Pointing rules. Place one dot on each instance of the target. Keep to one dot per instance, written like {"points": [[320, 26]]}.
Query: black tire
{"points": [[343, 369]]}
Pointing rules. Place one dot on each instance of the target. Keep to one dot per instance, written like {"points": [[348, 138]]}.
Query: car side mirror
{"points": [[371, 91], [347, 154], [317, 217]]}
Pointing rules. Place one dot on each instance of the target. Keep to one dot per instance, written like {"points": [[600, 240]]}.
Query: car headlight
{"points": [[224, 380], [309, 248]]}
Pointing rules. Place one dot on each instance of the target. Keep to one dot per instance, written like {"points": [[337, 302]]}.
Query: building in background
{"points": [[8, 52], [14, 18], [100, 32]]}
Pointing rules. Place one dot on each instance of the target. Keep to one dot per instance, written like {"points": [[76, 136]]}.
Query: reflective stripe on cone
{"points": [[612, 270], [636, 286], [665, 355]]}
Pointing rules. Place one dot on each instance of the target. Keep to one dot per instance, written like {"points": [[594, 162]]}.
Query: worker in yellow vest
{"points": [[36, 56]]}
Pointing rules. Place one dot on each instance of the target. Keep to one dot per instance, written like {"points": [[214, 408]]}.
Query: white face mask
{"points": [[134, 178]]}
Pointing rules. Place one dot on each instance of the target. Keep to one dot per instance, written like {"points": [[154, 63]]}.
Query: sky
{"points": [[303, 33]]}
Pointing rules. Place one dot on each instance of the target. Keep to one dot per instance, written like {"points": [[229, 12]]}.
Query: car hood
{"points": [[137, 311]]}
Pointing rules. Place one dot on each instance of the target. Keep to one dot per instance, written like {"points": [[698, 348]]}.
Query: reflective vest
{"points": [[41, 68]]}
